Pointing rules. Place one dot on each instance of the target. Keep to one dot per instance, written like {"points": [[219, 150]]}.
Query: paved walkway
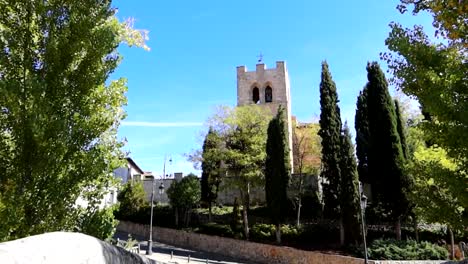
{"points": [[175, 255]]}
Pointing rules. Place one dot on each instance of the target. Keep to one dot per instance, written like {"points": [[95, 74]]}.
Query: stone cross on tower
{"points": [[260, 58]]}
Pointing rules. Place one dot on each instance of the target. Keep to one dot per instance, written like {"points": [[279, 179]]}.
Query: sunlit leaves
{"points": [[58, 114]]}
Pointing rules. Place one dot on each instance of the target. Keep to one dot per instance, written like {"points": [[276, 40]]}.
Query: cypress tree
{"points": [[361, 124], [330, 131], [211, 163], [277, 170], [349, 190], [401, 129], [386, 158]]}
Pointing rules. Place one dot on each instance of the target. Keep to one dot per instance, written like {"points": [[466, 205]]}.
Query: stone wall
{"points": [[158, 198], [226, 194], [249, 251]]}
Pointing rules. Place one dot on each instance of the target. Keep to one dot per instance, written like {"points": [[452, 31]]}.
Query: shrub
{"points": [[262, 232], [184, 195], [266, 232], [406, 250], [99, 223], [162, 216], [132, 199], [216, 230]]}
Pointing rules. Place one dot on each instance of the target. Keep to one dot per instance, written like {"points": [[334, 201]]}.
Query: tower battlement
{"points": [[276, 78]]}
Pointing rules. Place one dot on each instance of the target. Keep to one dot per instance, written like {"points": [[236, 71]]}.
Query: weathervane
{"points": [[260, 58]]}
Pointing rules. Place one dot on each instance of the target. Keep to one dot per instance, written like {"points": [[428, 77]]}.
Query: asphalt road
{"points": [[171, 254]]}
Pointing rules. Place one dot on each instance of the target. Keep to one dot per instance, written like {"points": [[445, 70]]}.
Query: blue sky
{"points": [[196, 46]]}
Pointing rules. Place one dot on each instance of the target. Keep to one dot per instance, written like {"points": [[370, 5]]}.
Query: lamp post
{"points": [[363, 199], [149, 251]]}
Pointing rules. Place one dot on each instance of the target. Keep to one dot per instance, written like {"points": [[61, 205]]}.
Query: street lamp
{"points": [[149, 251], [363, 208]]}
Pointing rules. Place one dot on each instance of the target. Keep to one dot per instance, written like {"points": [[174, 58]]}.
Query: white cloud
{"points": [[161, 124]]}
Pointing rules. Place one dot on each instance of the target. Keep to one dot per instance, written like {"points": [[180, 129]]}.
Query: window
{"points": [[256, 95], [268, 95]]}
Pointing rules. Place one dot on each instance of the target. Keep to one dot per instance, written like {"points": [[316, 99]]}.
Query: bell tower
{"points": [[269, 88]]}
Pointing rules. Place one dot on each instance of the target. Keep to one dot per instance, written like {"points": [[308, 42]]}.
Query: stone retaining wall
{"points": [[250, 251]]}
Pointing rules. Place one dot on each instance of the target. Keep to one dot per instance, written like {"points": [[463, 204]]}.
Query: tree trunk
{"points": [[452, 244], [278, 233], [416, 230], [342, 233], [398, 229], [209, 212], [299, 200], [247, 196], [189, 216], [246, 221], [176, 216], [299, 205]]}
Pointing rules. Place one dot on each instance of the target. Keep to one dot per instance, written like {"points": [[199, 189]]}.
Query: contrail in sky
{"points": [[161, 124]]}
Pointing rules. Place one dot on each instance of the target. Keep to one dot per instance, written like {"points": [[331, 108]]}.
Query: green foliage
{"points": [[307, 162], [245, 146], [185, 193], [130, 242], [406, 250], [434, 72], [401, 128], [59, 113], [163, 215], [390, 184], [215, 229], [306, 148], [263, 232], [243, 131], [349, 190], [439, 187], [361, 124], [216, 210], [132, 198], [211, 167], [277, 167], [99, 223], [266, 232], [330, 131]]}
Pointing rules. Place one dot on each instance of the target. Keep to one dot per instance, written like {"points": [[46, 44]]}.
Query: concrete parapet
{"points": [[65, 247]]}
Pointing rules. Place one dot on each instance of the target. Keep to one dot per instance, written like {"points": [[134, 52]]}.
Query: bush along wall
{"points": [[406, 250]]}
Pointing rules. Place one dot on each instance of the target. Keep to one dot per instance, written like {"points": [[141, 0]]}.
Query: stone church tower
{"points": [[266, 87]]}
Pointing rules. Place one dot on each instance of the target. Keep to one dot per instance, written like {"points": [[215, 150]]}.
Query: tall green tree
{"points": [[361, 124], [183, 196], [244, 132], [401, 128], [392, 185], [433, 71], [330, 131], [349, 190], [277, 170], [306, 153], [59, 113], [132, 199], [211, 168]]}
